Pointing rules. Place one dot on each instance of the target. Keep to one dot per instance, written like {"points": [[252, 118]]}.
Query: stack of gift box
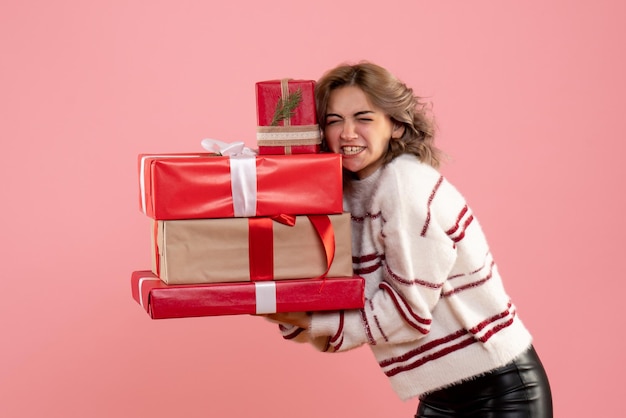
{"points": [[240, 231]]}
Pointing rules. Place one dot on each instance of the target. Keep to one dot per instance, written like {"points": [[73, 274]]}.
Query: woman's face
{"points": [[357, 130]]}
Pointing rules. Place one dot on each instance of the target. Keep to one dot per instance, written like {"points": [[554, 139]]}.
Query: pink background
{"points": [[530, 102]]}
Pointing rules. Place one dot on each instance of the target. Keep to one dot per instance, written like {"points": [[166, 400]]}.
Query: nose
{"points": [[348, 131]]}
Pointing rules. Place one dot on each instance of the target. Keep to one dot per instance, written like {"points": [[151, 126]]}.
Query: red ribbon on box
{"points": [[261, 243], [261, 249]]}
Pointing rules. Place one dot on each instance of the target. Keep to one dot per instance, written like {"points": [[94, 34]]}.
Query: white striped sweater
{"points": [[436, 312]]}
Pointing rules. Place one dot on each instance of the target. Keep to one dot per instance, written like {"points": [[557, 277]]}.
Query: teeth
{"points": [[352, 150]]}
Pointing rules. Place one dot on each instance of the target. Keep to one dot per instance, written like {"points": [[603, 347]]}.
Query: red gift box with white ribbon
{"points": [[198, 186], [286, 117], [162, 301]]}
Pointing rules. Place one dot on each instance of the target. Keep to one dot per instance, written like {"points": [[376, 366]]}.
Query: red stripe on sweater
{"points": [[367, 270], [368, 331], [434, 356], [483, 266], [475, 330], [496, 329], [365, 258], [339, 334], [380, 329], [340, 330], [458, 221], [293, 334], [327, 346], [472, 284], [420, 282], [425, 347], [368, 215], [430, 201], [414, 319], [338, 345], [465, 225]]}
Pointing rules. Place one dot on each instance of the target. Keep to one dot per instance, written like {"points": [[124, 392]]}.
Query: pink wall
{"points": [[530, 102]]}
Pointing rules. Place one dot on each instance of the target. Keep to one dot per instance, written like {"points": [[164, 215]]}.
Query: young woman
{"points": [[436, 316]]}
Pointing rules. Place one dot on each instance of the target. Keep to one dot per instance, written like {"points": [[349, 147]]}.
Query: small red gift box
{"points": [[178, 301], [197, 186], [286, 117]]}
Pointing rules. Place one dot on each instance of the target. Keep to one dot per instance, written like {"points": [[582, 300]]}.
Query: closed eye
{"points": [[364, 116], [332, 118]]}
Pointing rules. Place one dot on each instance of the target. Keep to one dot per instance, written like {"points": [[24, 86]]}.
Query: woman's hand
{"points": [[298, 319]]}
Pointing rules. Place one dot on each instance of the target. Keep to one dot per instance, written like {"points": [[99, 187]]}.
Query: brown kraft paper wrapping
{"points": [[198, 251]]}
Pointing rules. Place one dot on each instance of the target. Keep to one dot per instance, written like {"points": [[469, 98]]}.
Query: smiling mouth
{"points": [[352, 150]]}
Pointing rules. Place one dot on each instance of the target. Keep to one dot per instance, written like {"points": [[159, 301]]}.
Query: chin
{"points": [[351, 167]]}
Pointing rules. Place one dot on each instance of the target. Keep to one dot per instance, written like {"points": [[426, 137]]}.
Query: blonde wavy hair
{"points": [[395, 98]]}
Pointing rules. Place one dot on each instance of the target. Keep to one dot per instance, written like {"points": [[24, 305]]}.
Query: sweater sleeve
{"points": [[415, 258], [301, 335]]}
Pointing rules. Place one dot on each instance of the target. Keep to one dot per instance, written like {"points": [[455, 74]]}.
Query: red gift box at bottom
{"points": [[180, 301]]}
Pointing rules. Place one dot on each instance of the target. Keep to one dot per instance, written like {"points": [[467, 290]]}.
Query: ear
{"points": [[398, 130]]}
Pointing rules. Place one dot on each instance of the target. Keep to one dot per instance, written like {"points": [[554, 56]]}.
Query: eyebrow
{"points": [[361, 113]]}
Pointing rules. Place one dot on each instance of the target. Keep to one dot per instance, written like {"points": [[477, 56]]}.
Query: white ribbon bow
{"points": [[242, 174], [225, 148]]}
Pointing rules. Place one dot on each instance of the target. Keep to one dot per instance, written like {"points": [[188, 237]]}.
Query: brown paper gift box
{"points": [[194, 251]]}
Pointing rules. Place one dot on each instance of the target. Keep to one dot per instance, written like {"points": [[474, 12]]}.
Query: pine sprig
{"points": [[286, 106]]}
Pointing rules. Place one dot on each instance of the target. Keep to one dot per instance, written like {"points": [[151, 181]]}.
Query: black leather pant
{"points": [[518, 390]]}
